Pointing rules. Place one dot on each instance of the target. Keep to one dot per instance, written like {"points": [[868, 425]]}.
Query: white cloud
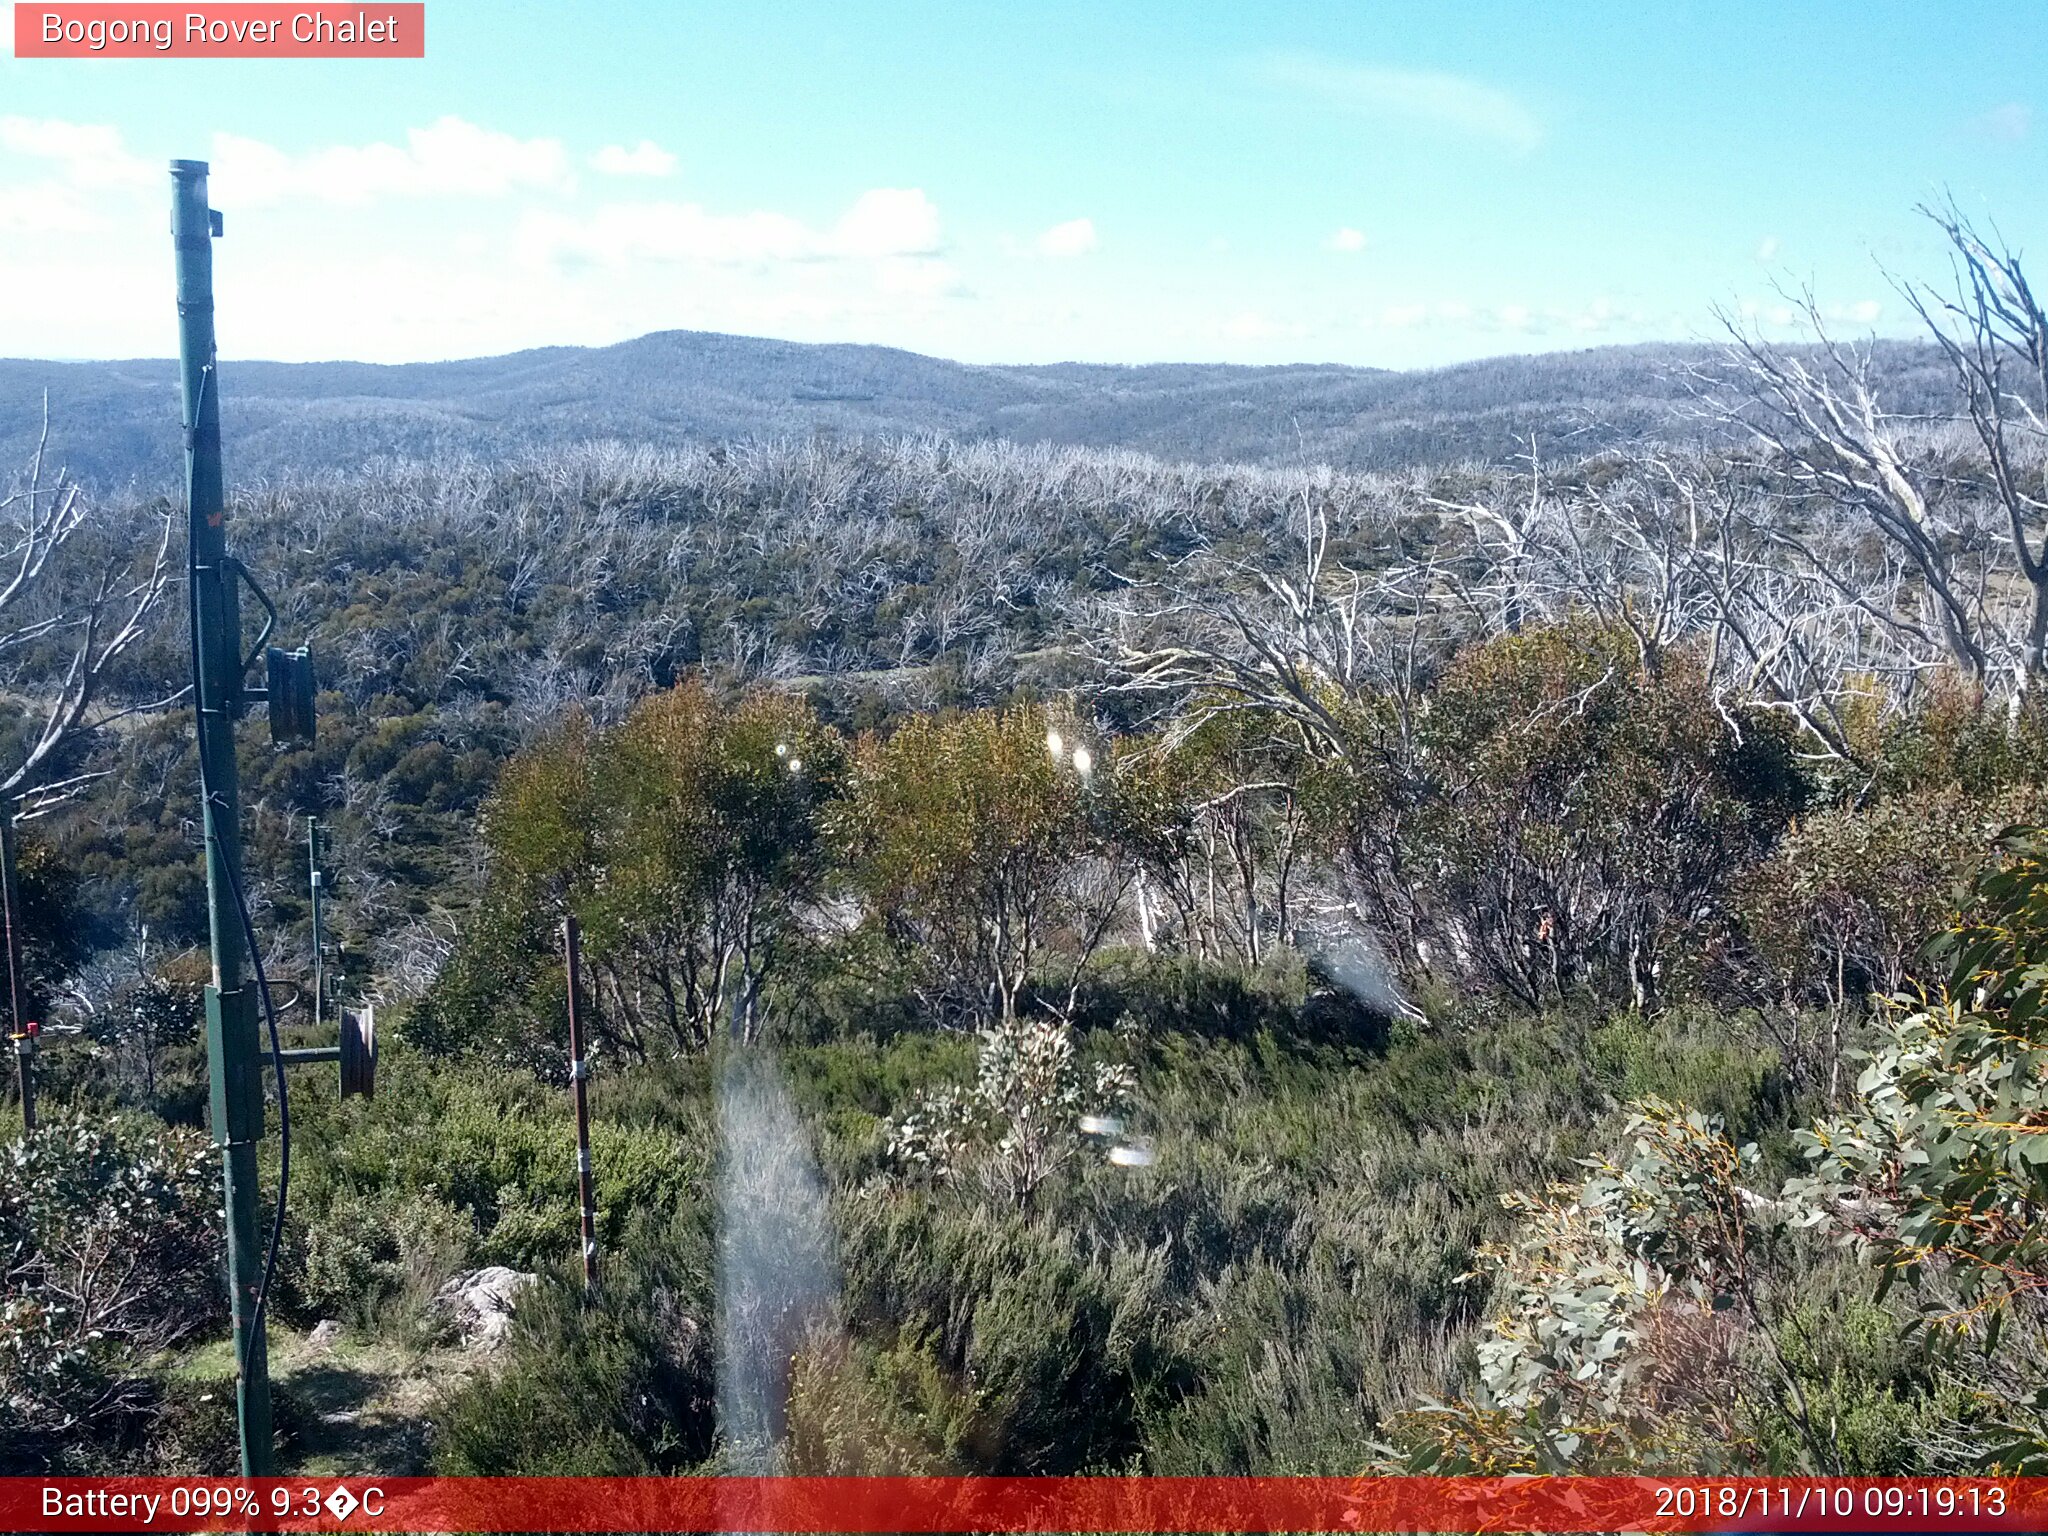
{"points": [[621, 233], [917, 277], [646, 158], [448, 158], [1257, 325], [1767, 248], [1601, 314], [2008, 123], [885, 224], [1347, 240], [1076, 237], [1596, 316], [1429, 97], [1768, 314], [889, 221], [1415, 314], [48, 208], [83, 154], [448, 276]]}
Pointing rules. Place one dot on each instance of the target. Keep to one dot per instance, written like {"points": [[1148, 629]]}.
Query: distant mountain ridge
{"points": [[116, 423]]}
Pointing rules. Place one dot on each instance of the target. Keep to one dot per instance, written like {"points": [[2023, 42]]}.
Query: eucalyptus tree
{"points": [[976, 843]]}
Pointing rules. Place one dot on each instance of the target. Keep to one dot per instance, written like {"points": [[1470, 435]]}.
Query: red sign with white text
{"points": [[1660, 1506], [234, 31]]}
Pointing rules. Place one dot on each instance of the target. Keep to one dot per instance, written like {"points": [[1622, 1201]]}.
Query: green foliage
{"points": [[1551, 815], [1842, 906], [1953, 737], [193, 1428], [1936, 1176], [1940, 1172], [1180, 994], [55, 939], [686, 841], [618, 1386], [1020, 1120], [1885, 1405], [1283, 1276], [861, 1410], [494, 1146], [1561, 815], [1217, 817], [1613, 1350], [376, 1261], [143, 1032], [1703, 1059], [111, 1250], [970, 844]]}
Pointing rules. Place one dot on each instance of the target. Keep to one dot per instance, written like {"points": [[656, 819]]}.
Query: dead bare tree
{"points": [[1822, 424], [1291, 641], [77, 592], [1969, 536], [1689, 550], [1995, 335]]}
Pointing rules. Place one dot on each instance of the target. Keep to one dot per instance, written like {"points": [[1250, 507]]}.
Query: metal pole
{"points": [[579, 1079], [233, 1054], [10, 907], [313, 863]]}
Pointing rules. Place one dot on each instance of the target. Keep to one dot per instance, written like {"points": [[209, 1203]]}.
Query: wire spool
{"points": [[359, 1052]]}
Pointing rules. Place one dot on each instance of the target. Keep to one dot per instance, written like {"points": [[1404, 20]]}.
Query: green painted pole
{"points": [[233, 1051]]}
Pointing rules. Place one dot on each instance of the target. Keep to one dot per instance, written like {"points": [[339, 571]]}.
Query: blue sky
{"points": [[1387, 184]]}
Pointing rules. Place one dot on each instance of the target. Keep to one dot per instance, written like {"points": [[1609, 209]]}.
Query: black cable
{"points": [[284, 1110], [284, 1113]]}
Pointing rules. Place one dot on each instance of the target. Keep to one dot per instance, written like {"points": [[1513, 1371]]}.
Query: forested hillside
{"points": [[1098, 961], [115, 424]]}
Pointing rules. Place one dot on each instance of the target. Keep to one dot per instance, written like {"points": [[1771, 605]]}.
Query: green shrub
{"points": [[194, 1430], [1562, 814], [861, 1410], [1709, 1061], [1939, 1170], [111, 1248], [376, 1261], [1841, 908], [494, 1145], [1883, 1402], [621, 1385]]}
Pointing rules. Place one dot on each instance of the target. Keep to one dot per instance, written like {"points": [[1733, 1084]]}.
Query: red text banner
{"points": [[997, 1504], [220, 31]]}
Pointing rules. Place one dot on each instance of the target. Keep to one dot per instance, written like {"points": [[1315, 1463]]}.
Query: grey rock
{"points": [[480, 1303]]}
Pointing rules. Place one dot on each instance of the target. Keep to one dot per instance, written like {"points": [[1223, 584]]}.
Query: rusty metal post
{"points": [[579, 1080], [10, 919], [317, 878]]}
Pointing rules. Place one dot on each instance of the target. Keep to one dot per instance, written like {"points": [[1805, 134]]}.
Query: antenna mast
{"points": [[233, 1051]]}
